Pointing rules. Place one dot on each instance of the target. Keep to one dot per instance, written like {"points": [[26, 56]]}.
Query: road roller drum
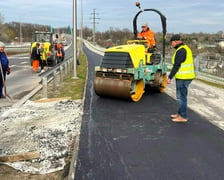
{"points": [[112, 87]]}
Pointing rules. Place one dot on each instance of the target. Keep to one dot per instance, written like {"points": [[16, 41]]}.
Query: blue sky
{"points": [[182, 16]]}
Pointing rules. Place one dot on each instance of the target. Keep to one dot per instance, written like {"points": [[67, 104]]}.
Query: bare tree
{"points": [[1, 25]]}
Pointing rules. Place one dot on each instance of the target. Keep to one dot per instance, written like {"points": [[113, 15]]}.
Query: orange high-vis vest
{"points": [[59, 53], [148, 35]]}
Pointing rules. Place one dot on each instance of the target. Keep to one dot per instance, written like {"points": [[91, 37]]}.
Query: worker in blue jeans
{"points": [[183, 71], [4, 68]]}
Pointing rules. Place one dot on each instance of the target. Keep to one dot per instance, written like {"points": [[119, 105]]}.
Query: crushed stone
{"points": [[48, 127]]}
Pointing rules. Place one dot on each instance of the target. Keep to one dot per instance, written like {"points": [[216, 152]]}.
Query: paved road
{"points": [[21, 79], [122, 140]]}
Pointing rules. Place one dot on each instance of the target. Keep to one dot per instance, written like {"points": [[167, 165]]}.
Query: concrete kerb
{"points": [[72, 168], [28, 96], [73, 163]]}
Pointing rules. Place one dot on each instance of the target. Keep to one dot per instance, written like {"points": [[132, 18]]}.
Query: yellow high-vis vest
{"points": [[186, 70]]}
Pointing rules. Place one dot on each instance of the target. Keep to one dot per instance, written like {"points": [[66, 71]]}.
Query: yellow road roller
{"points": [[46, 47], [127, 71]]}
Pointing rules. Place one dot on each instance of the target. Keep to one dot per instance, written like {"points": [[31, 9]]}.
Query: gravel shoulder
{"points": [[206, 100], [49, 127]]}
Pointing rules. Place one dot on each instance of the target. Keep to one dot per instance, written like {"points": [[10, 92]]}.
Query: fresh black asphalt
{"points": [[123, 140]]}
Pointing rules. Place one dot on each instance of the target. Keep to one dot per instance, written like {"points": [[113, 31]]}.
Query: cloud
{"points": [[189, 16], [55, 12]]}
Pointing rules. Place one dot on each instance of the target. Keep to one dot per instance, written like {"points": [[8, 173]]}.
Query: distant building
{"points": [[202, 46], [220, 42]]}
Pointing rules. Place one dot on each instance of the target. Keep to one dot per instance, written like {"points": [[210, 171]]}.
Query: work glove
{"points": [[154, 47], [8, 71], [141, 38]]}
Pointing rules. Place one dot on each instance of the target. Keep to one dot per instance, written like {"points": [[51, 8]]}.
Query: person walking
{"points": [[42, 54], [35, 56], [4, 69], [183, 71]]}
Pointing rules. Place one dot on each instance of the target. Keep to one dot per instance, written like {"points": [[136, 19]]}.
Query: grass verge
{"points": [[73, 87], [70, 87], [211, 83]]}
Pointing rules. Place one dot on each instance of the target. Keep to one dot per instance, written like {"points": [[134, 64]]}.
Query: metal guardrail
{"points": [[209, 78], [61, 69], [210, 64], [17, 48], [98, 50]]}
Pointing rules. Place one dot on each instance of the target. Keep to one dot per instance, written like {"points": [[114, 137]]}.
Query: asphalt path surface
{"points": [[123, 140]]}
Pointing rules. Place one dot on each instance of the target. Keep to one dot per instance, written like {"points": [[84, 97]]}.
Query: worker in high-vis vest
{"points": [[183, 71], [60, 53], [147, 34]]}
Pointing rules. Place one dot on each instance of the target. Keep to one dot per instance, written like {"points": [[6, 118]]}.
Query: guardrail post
{"points": [[44, 83], [70, 65], [61, 74], [66, 68], [54, 80], [72, 61]]}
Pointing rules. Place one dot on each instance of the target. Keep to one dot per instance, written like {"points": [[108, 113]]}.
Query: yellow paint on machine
{"points": [[136, 51]]}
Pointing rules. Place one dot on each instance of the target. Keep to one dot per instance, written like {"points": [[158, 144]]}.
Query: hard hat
{"points": [[2, 44]]}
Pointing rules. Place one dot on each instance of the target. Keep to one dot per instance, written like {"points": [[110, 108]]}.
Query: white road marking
{"points": [[13, 57], [24, 62], [12, 66]]}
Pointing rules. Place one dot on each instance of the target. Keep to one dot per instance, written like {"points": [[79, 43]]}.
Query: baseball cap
{"points": [[144, 24], [175, 37], [2, 44]]}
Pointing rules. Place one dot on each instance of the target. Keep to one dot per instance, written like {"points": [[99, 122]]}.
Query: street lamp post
{"points": [[75, 37], [20, 34], [81, 25]]}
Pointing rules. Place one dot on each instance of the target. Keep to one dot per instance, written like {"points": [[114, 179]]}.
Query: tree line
{"points": [[116, 36], [14, 31], [22, 32]]}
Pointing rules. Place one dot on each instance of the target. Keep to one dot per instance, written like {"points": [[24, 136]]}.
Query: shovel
{"points": [[3, 79]]}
